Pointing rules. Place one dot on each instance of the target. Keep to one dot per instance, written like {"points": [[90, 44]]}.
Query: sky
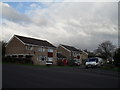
{"points": [[83, 25]]}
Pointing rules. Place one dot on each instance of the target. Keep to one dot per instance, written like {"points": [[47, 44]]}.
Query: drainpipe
{"points": [[71, 57]]}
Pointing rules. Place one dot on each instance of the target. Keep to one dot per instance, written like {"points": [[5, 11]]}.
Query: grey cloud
{"points": [[83, 25], [12, 14]]}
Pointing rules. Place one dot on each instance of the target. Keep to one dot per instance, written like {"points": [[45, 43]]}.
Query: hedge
{"points": [[13, 59]]}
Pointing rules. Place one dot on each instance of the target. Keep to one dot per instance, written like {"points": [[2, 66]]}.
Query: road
{"points": [[20, 76]]}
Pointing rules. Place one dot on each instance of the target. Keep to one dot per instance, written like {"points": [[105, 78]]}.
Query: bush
{"points": [[84, 61], [7, 59], [17, 60], [28, 56], [71, 63], [117, 58], [60, 63], [14, 56], [20, 56]]}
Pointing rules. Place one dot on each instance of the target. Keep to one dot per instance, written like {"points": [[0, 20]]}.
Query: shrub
{"points": [[7, 59], [28, 56], [60, 63], [117, 58], [71, 63], [17, 60], [20, 56], [14, 56]]}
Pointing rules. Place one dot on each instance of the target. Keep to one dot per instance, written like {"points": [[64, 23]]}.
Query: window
{"points": [[50, 59], [42, 49], [50, 50], [41, 58], [92, 59], [78, 57], [74, 53], [29, 48], [50, 54]]}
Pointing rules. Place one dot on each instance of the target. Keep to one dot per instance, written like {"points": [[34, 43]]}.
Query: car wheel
{"points": [[86, 67]]}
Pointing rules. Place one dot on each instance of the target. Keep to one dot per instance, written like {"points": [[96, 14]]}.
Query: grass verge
{"points": [[36, 65], [111, 67]]}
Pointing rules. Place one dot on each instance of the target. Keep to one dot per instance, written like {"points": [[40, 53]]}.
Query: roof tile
{"points": [[33, 41], [71, 48]]}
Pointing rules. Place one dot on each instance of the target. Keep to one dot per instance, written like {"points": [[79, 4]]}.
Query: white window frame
{"points": [[50, 59], [50, 50], [41, 49], [40, 58], [31, 47]]}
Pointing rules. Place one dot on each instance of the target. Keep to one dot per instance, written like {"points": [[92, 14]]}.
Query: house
{"points": [[61, 56], [84, 55], [61, 59], [41, 50], [72, 53], [69, 51]]}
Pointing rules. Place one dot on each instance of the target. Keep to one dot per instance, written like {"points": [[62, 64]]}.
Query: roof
{"points": [[59, 55], [71, 48], [28, 40]]}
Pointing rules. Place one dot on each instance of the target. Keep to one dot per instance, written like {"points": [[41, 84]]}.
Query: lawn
{"points": [[111, 67], [35, 65]]}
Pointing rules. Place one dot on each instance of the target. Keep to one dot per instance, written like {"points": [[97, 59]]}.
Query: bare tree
{"points": [[106, 49]]}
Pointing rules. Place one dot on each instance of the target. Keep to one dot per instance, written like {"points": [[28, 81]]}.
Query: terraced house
{"points": [[41, 50], [72, 53], [69, 51]]}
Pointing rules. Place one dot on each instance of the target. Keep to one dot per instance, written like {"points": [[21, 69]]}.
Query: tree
{"points": [[117, 57], [106, 49]]}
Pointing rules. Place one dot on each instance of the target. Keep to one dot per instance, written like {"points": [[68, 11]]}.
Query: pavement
{"points": [[20, 76]]}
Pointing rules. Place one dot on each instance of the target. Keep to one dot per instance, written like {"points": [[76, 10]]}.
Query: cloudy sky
{"points": [[80, 24]]}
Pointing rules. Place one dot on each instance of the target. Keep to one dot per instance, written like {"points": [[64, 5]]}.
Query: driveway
{"points": [[20, 76]]}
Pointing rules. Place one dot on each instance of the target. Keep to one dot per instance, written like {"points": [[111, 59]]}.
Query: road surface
{"points": [[20, 76]]}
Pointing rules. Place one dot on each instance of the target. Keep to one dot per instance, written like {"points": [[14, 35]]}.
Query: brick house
{"points": [[41, 50], [72, 53], [61, 58], [69, 51], [84, 56]]}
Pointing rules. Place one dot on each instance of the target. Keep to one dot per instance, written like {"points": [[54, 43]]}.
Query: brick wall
{"points": [[15, 47], [64, 52], [45, 53]]}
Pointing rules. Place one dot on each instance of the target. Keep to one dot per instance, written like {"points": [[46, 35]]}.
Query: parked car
{"points": [[110, 60], [49, 63], [93, 62]]}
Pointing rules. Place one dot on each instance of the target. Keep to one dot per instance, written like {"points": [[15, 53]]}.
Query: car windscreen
{"points": [[92, 59]]}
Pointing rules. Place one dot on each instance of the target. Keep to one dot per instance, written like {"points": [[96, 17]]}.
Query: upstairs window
{"points": [[29, 47], [50, 50], [74, 53], [42, 49]]}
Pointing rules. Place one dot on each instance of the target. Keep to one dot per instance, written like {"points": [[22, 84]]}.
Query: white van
{"points": [[94, 62]]}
